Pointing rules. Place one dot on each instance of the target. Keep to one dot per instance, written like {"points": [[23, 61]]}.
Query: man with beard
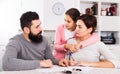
{"points": [[29, 50]]}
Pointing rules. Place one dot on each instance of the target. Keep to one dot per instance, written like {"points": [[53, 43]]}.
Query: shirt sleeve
{"points": [[108, 55], [49, 55], [58, 41], [93, 39], [11, 61]]}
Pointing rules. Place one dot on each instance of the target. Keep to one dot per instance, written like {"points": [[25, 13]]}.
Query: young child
{"points": [[66, 31]]}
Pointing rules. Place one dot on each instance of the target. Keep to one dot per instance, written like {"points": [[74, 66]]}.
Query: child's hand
{"points": [[72, 47]]}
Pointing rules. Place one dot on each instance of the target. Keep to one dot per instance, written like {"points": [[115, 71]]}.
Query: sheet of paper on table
{"points": [[56, 68]]}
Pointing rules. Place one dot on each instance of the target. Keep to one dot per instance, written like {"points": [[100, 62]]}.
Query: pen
{"points": [[70, 55]]}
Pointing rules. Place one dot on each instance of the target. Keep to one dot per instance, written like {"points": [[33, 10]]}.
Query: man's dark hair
{"points": [[26, 19]]}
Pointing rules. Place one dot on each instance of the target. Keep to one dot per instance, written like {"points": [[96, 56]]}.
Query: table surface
{"points": [[92, 71]]}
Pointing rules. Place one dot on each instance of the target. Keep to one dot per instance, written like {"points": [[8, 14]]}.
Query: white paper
{"points": [[56, 68]]}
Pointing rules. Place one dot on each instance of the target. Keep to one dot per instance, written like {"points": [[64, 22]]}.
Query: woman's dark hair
{"points": [[26, 19], [73, 13], [89, 20]]}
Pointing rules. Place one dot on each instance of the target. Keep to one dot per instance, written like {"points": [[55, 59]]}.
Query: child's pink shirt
{"points": [[59, 51]]}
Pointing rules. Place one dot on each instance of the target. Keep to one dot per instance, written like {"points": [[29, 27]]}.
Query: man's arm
{"points": [[11, 61], [49, 55]]}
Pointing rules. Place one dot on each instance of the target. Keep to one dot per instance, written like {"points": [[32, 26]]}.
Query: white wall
{"points": [[10, 13], [33, 5], [51, 21]]}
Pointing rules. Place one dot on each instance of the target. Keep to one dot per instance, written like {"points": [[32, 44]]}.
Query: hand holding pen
{"points": [[72, 61]]}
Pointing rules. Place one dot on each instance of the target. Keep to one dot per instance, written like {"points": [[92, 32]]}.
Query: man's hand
{"points": [[46, 63], [63, 62]]}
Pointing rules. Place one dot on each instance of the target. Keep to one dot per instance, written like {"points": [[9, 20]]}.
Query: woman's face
{"points": [[82, 30], [69, 23]]}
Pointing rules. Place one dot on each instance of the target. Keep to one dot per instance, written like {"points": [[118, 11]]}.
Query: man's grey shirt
{"points": [[23, 55]]}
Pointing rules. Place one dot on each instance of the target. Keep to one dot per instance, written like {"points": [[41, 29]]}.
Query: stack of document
{"points": [[56, 68]]}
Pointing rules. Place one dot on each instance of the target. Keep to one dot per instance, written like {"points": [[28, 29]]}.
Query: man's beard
{"points": [[36, 38]]}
